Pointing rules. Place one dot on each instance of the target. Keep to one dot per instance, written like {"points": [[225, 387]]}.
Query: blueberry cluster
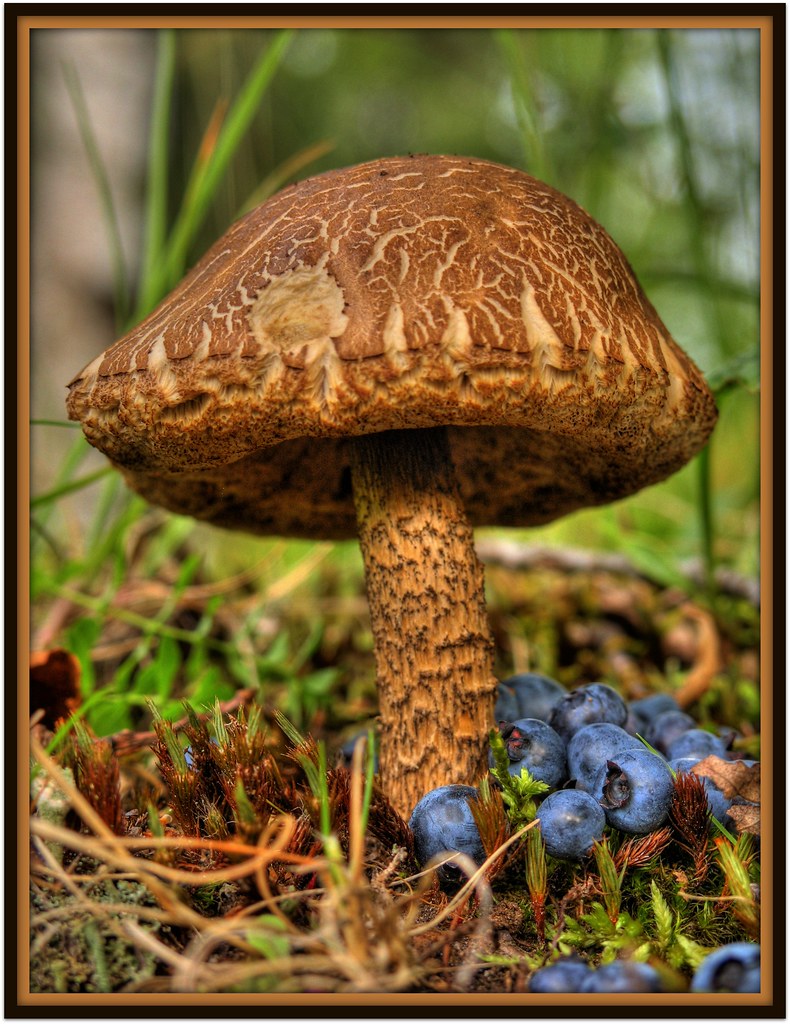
{"points": [[587, 740], [584, 745], [587, 746], [731, 968], [572, 974]]}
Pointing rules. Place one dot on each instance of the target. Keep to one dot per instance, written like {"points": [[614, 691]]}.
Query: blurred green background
{"points": [[655, 132]]}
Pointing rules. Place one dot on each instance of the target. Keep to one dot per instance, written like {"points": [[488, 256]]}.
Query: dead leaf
{"points": [[54, 684], [746, 818], [740, 782], [733, 778]]}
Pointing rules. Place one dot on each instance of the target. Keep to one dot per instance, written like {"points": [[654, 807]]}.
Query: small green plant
{"points": [[537, 879], [668, 940], [518, 791], [739, 866], [611, 879], [305, 692], [268, 935], [596, 932]]}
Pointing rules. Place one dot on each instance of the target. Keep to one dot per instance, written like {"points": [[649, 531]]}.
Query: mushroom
{"points": [[403, 350]]}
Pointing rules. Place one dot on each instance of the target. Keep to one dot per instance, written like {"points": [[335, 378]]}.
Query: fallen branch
{"points": [[517, 556]]}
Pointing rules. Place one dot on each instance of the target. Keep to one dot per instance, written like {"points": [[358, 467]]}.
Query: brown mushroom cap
{"points": [[407, 292]]}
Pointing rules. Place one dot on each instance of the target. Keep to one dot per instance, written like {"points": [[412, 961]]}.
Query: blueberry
{"points": [[189, 754], [442, 822], [643, 712], [623, 976], [346, 752], [666, 728], [595, 702], [570, 820], [635, 790], [565, 975], [696, 743], [728, 735], [533, 745], [591, 747], [535, 694], [731, 968], [506, 708]]}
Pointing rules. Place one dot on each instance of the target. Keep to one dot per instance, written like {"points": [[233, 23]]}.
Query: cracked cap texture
{"points": [[403, 293]]}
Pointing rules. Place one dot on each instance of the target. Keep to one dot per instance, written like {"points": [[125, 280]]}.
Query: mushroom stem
{"points": [[434, 649]]}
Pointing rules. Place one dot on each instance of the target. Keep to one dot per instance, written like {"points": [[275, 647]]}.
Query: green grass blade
{"points": [[56, 423], [120, 275], [67, 725], [68, 488], [370, 771], [293, 734], [323, 791], [523, 100], [78, 451], [149, 627], [706, 521], [287, 170], [103, 527], [695, 209], [207, 173], [157, 181]]}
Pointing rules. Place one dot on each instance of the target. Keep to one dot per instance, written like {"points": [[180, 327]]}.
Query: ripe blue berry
{"points": [[506, 707], [623, 976], [696, 743], [642, 712], [442, 823], [666, 727], [731, 968], [535, 694], [534, 745], [591, 747], [346, 752], [570, 821], [565, 975], [635, 790], [595, 702]]}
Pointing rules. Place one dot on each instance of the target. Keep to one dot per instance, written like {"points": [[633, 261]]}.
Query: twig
{"points": [[511, 554], [517, 556], [708, 663]]}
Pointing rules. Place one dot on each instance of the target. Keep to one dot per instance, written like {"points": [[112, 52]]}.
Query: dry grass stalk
{"points": [[355, 934]]}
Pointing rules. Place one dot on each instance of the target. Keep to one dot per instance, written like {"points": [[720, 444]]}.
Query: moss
{"points": [[82, 951]]}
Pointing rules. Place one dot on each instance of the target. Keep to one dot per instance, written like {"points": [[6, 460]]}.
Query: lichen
{"points": [[82, 951]]}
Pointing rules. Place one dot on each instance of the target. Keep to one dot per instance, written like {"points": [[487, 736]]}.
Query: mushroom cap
{"points": [[404, 293]]}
